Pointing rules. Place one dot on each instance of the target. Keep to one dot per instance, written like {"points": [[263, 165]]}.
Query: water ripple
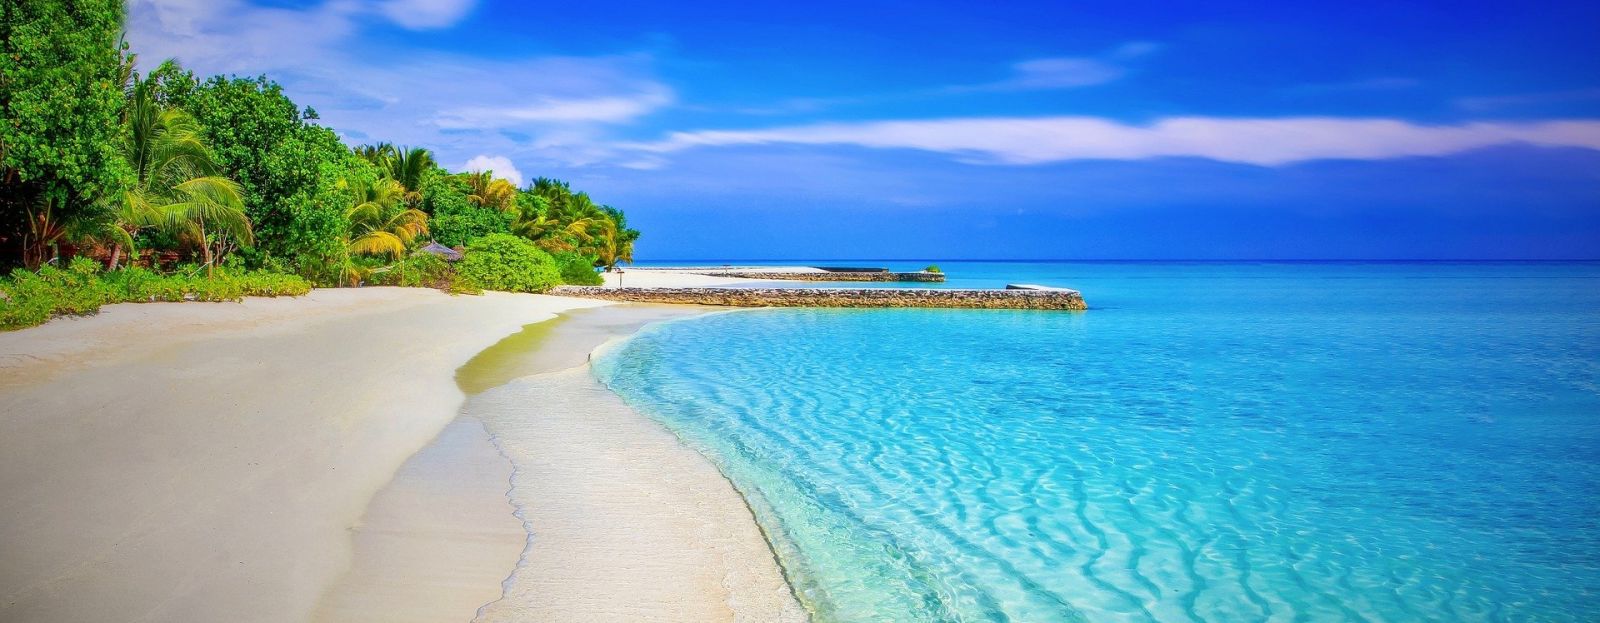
{"points": [[1387, 455]]}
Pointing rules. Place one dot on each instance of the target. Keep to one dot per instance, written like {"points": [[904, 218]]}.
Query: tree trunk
{"points": [[205, 249], [116, 254]]}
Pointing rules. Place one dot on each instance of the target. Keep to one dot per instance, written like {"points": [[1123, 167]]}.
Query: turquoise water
{"points": [[1209, 442]]}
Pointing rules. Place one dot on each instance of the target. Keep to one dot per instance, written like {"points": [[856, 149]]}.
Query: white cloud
{"points": [[501, 166], [426, 14], [543, 110], [1067, 72], [1265, 142], [236, 36]]}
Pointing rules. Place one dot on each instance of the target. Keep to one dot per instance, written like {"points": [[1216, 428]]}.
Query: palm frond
{"points": [[377, 243]]}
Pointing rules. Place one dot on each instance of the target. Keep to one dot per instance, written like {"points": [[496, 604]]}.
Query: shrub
{"points": [[932, 268], [419, 270], [28, 298], [578, 270], [454, 219], [507, 263]]}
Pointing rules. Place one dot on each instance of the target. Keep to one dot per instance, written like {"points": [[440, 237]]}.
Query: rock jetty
{"points": [[1057, 299]]}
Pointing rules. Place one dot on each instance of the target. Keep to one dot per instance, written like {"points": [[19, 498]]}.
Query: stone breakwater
{"points": [[830, 275], [1061, 299]]}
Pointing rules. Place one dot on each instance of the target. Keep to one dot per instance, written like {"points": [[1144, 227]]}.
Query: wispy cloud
{"points": [[538, 109], [1035, 74], [549, 109], [1066, 72], [1499, 102], [1265, 142], [1349, 86]]}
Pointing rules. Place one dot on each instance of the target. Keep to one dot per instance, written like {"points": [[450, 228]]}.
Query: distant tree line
{"points": [[167, 169]]}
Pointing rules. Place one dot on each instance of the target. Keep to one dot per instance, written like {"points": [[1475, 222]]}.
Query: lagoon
{"points": [[1209, 442]]}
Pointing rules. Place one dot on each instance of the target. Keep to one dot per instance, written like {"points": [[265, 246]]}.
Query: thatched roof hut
{"points": [[449, 254]]}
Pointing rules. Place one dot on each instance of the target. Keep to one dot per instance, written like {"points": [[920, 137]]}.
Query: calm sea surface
{"points": [[1209, 442]]}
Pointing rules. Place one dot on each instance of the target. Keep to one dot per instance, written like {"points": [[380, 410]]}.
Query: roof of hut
{"points": [[440, 250]]}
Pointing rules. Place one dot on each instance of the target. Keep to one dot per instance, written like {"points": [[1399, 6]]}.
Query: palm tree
{"points": [[488, 192], [380, 224], [176, 183], [552, 234], [612, 245], [378, 154], [407, 165]]}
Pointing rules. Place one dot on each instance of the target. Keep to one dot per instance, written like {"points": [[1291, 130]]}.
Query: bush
{"points": [[419, 270], [453, 220], [932, 268], [578, 270], [28, 298], [507, 263]]}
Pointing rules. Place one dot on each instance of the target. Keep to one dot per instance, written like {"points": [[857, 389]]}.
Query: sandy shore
{"points": [[205, 462], [668, 278]]}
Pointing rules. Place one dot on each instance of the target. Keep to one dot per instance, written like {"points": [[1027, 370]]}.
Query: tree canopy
{"points": [[101, 162]]}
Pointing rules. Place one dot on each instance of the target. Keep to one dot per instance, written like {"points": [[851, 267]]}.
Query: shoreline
{"points": [[286, 459], [211, 469], [592, 504]]}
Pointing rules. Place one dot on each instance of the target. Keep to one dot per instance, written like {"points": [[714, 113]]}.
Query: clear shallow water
{"points": [[1210, 442]]}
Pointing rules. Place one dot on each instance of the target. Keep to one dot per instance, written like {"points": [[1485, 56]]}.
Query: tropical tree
{"points": [[407, 165], [377, 153], [552, 234], [487, 191], [60, 102], [380, 223], [176, 184], [611, 245], [288, 166], [616, 239]]}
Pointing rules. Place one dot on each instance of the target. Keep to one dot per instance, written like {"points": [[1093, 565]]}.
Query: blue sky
{"points": [[1090, 130]]}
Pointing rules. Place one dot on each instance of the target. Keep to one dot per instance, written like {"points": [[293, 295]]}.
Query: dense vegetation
{"points": [[213, 188]]}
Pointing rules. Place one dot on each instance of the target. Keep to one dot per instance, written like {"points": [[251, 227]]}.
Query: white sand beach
{"points": [[668, 278], [248, 462]]}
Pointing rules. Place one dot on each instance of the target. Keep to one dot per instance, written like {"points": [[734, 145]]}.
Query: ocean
{"points": [[1210, 441]]}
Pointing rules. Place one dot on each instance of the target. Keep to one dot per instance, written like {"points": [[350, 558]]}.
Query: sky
{"points": [[972, 130]]}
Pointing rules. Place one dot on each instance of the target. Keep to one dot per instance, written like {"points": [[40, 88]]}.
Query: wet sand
{"points": [[609, 516]]}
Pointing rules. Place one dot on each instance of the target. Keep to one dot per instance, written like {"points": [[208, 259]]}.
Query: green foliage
{"points": [[424, 270], [29, 298], [60, 108], [932, 268], [577, 270], [287, 166], [560, 220], [507, 263], [317, 225], [175, 182], [409, 166], [94, 155], [454, 219]]}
